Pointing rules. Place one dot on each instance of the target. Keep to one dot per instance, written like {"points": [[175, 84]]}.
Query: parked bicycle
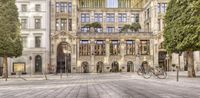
{"points": [[147, 72]]}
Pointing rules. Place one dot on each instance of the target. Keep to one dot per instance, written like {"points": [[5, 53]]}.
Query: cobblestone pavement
{"points": [[110, 85]]}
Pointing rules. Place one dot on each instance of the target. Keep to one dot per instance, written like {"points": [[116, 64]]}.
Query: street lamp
{"points": [[167, 59], [30, 58]]}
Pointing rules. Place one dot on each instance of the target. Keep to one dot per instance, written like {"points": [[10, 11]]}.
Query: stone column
{"points": [[92, 65], [106, 59], [122, 53], [138, 56]]}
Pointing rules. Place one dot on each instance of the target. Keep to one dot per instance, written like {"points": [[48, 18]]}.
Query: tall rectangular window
{"points": [[130, 47], [159, 25], [24, 8], [85, 17], [63, 7], [24, 41], [110, 17], [23, 23], [57, 7], [122, 17], [164, 7], [37, 23], [69, 7], [70, 24], [114, 47], [84, 48], [63, 24], [37, 7], [159, 8], [110, 29], [135, 18], [100, 47], [57, 24], [112, 3], [38, 41], [98, 17], [145, 47]]}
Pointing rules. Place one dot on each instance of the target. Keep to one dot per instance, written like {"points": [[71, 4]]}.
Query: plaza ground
{"points": [[104, 85]]}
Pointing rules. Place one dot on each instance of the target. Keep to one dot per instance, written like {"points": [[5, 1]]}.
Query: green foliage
{"points": [[133, 27], [93, 25], [182, 31], [10, 39]]}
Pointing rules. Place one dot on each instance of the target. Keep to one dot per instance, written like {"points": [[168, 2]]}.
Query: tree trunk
{"points": [[191, 71], [5, 67]]}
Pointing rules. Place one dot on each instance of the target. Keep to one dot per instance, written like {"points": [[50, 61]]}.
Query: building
{"points": [[34, 18], [106, 49]]}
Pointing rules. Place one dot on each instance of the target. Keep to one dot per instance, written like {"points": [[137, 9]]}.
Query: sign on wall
{"points": [[19, 67]]}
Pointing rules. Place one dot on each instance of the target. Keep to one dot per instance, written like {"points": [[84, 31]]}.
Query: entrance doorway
{"points": [[130, 66], [85, 67], [63, 60], [38, 64], [100, 67], [163, 60], [115, 67]]}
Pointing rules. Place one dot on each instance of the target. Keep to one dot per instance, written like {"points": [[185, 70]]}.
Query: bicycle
{"points": [[144, 71], [159, 72]]}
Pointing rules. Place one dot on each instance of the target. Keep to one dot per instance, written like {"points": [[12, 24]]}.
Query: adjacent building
{"points": [[35, 24]]}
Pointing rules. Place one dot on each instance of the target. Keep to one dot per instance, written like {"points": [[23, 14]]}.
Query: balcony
{"points": [[115, 35]]}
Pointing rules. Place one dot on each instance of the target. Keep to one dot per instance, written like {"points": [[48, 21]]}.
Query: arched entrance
{"points": [[38, 64], [115, 66], [85, 67], [100, 67], [130, 66], [63, 58]]}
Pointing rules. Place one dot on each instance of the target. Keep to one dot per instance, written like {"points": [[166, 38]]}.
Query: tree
{"points": [[133, 27], [182, 31], [93, 26], [10, 39]]}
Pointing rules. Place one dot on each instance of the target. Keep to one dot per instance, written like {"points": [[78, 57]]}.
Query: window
{"points": [[110, 29], [70, 24], [57, 24], [99, 29], [100, 47], [85, 29], [98, 17], [37, 23], [135, 18], [84, 48], [38, 41], [63, 24], [148, 13], [159, 25], [37, 7], [85, 17], [24, 41], [69, 7], [130, 47], [162, 7], [110, 17], [57, 6], [112, 3], [122, 17], [24, 8], [23, 23], [114, 47], [145, 47], [63, 7]]}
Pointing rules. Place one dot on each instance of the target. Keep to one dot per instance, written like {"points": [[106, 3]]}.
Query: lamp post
{"points": [[167, 59], [30, 58]]}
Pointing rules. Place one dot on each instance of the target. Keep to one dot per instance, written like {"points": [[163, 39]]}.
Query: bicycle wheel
{"points": [[147, 73], [161, 74], [139, 72]]}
